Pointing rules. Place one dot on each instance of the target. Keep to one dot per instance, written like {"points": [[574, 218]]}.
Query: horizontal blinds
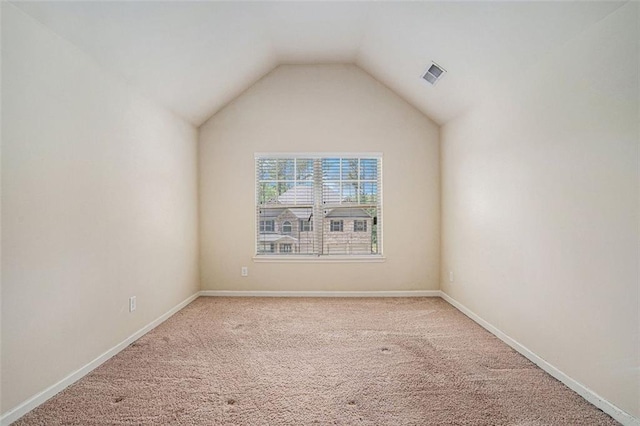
{"points": [[285, 181], [329, 205]]}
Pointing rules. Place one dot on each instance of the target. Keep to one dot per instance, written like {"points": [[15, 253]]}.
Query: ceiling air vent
{"points": [[433, 74]]}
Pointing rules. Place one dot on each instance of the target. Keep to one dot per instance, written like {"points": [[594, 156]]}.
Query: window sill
{"points": [[319, 259]]}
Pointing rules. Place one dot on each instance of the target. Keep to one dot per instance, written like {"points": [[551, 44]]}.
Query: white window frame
{"points": [[317, 217]]}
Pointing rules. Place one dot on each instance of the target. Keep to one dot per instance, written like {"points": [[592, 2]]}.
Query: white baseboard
{"points": [[31, 403], [620, 415], [407, 293]]}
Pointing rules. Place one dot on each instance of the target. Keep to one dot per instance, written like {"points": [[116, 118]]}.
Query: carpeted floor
{"points": [[268, 361]]}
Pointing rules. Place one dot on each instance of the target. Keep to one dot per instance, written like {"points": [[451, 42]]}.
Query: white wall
{"points": [[319, 108], [540, 209], [99, 203]]}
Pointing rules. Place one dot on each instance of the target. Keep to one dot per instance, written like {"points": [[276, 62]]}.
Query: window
{"points": [[322, 193], [286, 227], [286, 248], [266, 248], [359, 226], [267, 226], [337, 225]]}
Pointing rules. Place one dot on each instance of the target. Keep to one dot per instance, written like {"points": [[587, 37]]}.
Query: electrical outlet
{"points": [[132, 303], [244, 271], [450, 276]]}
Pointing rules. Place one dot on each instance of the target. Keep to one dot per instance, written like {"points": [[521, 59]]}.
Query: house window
{"points": [[359, 226], [286, 248], [286, 227], [266, 248], [267, 226], [321, 193], [337, 225]]}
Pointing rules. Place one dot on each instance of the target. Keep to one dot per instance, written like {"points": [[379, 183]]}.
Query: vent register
{"points": [[433, 74]]}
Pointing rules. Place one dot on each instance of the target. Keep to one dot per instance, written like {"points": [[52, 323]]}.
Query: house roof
{"points": [[297, 195], [195, 57], [272, 238], [305, 195], [304, 214], [348, 213], [300, 192], [266, 214]]}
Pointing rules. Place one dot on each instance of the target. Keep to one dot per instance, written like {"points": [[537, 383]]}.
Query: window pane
{"points": [[286, 169], [296, 194], [349, 168], [331, 169], [306, 225], [302, 239], [286, 227], [267, 225], [283, 189], [267, 169], [304, 193], [349, 192], [359, 225], [368, 193], [369, 169], [304, 169], [356, 236], [331, 193], [267, 193], [265, 248]]}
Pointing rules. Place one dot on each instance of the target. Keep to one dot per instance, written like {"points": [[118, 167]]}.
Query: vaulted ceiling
{"points": [[195, 57]]}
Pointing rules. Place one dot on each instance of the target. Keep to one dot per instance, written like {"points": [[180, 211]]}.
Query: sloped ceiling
{"points": [[195, 57]]}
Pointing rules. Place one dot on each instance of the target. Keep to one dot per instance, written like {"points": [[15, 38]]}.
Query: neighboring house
{"points": [[289, 229], [286, 230], [347, 231]]}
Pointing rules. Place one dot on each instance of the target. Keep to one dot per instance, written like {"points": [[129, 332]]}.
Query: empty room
{"points": [[320, 213]]}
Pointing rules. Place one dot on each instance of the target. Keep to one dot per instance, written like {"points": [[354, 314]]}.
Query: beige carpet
{"points": [[265, 361]]}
